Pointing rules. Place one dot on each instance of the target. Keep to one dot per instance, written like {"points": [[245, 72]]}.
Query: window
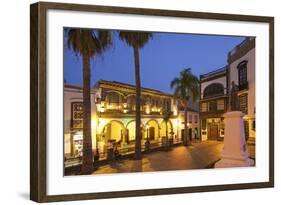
{"points": [[131, 101], [113, 98], [196, 118], [243, 103], [204, 107], [196, 136], [254, 125], [168, 105], [242, 73], [214, 89], [212, 106], [220, 104], [190, 119], [246, 127], [204, 124], [77, 115]]}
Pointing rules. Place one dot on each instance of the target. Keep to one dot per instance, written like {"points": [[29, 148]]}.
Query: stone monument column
{"points": [[235, 152]]}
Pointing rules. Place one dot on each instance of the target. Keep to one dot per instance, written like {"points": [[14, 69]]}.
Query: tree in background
{"points": [[186, 86]]}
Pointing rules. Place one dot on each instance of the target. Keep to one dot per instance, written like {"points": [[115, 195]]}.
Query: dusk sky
{"points": [[161, 59]]}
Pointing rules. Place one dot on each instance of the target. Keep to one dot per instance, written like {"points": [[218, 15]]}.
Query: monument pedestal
{"points": [[235, 152]]}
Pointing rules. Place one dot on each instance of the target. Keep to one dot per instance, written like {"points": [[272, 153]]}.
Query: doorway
{"points": [[190, 134], [213, 131], [151, 134]]}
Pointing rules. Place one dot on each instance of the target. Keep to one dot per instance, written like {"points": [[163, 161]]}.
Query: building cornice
{"points": [[241, 50], [130, 89]]}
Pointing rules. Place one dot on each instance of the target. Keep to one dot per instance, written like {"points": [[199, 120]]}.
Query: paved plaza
{"points": [[197, 156]]}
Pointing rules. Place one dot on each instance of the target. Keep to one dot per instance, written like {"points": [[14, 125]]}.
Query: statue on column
{"points": [[234, 100], [235, 152]]}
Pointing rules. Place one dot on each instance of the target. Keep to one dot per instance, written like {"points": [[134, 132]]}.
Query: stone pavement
{"points": [[198, 156]]}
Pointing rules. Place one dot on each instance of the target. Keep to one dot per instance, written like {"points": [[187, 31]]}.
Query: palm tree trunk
{"points": [[87, 159], [138, 114], [167, 140]]}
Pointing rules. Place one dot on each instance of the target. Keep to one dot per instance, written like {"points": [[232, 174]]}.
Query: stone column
{"points": [[235, 152]]}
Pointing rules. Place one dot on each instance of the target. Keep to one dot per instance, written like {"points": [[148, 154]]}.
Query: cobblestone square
{"points": [[197, 156]]}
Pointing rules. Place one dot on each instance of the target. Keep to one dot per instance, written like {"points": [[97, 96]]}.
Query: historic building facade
{"points": [[215, 88], [241, 62], [213, 103], [113, 118]]}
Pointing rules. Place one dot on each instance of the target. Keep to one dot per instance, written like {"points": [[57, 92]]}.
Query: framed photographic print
{"points": [[135, 102]]}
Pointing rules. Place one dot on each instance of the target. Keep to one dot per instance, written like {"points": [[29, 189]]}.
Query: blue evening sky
{"points": [[161, 60]]}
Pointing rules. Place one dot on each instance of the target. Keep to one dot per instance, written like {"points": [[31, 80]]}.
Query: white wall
{"points": [[14, 54], [74, 95], [250, 57]]}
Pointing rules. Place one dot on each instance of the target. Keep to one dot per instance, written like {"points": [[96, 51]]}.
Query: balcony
{"points": [[243, 86], [124, 108]]}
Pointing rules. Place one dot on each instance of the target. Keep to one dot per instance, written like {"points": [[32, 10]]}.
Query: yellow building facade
{"points": [[113, 118]]}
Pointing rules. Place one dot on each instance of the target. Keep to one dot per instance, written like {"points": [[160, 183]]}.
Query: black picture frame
{"points": [[38, 100]]}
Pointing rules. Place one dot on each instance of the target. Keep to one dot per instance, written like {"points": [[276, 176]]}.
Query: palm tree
{"points": [[136, 40], [87, 43], [166, 117], [186, 87]]}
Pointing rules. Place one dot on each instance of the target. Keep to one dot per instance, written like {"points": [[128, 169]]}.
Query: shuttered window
{"points": [[204, 107], [243, 103], [220, 104]]}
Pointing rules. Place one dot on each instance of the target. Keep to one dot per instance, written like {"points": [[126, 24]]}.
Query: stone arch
{"points": [[242, 64], [163, 128], [114, 130], [129, 95], [152, 129], [131, 130], [115, 91], [133, 121]]}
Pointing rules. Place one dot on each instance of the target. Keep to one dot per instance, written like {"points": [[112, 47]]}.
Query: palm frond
{"points": [[135, 39], [88, 41], [175, 82], [186, 86]]}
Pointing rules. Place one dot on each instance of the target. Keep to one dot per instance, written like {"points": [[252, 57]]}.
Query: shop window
{"points": [[222, 127], [246, 127]]}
